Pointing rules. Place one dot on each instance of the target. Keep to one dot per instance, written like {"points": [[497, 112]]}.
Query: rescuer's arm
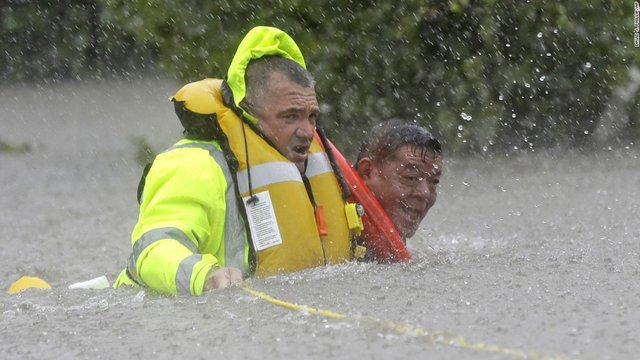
{"points": [[181, 223]]}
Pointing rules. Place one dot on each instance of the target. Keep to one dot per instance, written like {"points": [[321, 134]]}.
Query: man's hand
{"points": [[219, 278]]}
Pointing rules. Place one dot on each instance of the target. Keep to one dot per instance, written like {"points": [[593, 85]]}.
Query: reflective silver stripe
{"points": [[151, 237], [210, 148], [183, 275], [234, 229], [267, 174], [318, 164], [279, 171]]}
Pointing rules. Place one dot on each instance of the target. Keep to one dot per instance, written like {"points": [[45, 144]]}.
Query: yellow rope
{"points": [[409, 329], [307, 309]]}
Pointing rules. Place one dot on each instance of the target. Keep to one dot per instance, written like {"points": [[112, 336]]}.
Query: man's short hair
{"points": [[387, 137], [259, 72]]}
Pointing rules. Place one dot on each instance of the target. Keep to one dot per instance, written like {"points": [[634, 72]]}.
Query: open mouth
{"points": [[301, 149], [412, 213]]}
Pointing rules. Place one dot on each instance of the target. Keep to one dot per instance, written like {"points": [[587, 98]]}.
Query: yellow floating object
{"points": [[27, 282]]}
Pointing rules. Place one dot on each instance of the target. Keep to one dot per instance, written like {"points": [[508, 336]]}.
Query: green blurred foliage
{"points": [[144, 153], [13, 148], [44, 40], [482, 75]]}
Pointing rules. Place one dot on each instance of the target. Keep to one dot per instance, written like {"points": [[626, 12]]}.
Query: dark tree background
{"points": [[484, 76]]}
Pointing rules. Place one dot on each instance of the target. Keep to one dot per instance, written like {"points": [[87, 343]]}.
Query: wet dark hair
{"points": [[387, 137], [259, 73]]}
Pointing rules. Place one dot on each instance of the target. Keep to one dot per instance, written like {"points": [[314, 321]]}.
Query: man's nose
{"points": [[306, 129], [422, 189]]}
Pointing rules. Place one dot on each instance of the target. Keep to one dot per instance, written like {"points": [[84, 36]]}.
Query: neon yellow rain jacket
{"points": [[188, 221]]}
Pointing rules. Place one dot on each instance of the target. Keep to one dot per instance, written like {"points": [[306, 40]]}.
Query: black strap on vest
{"points": [[143, 179], [346, 192], [307, 185]]}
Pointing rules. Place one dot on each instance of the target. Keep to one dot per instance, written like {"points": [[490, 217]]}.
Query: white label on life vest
{"points": [[262, 221]]}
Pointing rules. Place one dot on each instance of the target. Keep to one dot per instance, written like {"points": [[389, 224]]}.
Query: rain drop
{"points": [[539, 35], [466, 117]]}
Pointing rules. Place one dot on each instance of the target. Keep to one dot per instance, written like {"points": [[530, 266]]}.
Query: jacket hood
{"points": [[259, 41]]}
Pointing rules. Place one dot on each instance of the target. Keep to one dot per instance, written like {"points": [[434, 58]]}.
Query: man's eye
{"points": [[291, 117], [413, 179]]}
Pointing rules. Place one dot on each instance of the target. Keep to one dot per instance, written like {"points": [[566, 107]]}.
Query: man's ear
{"points": [[364, 168]]}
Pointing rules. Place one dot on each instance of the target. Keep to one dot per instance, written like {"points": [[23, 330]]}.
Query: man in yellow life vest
{"points": [[248, 190]]}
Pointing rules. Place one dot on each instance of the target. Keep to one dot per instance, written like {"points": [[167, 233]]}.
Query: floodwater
{"points": [[523, 256]]}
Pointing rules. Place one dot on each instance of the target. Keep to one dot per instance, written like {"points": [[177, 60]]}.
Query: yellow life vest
{"points": [[305, 242]]}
